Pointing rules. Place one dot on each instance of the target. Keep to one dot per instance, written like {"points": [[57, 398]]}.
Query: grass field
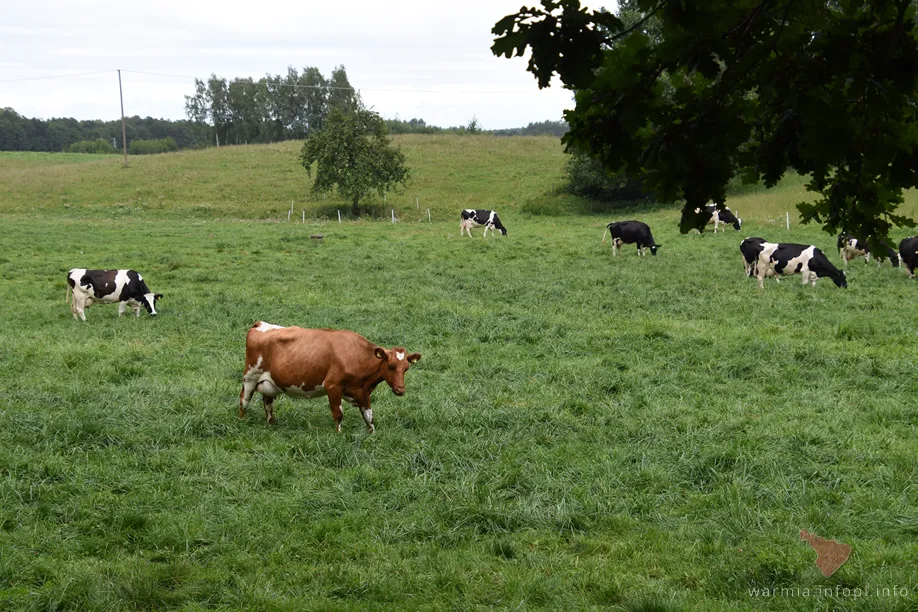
{"points": [[582, 431]]}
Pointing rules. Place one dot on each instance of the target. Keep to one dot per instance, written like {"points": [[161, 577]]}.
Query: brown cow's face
{"points": [[397, 363]]}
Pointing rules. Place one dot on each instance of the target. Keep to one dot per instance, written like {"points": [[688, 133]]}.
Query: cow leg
{"points": [[249, 386], [269, 408], [334, 402], [137, 311], [367, 413], [121, 308], [81, 308]]}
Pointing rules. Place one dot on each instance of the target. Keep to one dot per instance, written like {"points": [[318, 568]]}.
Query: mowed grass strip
{"points": [[582, 430]]}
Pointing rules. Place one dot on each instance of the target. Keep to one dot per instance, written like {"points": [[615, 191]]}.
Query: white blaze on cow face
{"points": [[150, 305], [400, 356]]}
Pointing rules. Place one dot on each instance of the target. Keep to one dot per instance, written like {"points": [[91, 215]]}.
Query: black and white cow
{"points": [[807, 260], [849, 248], [908, 252], [470, 218], [751, 248], [631, 232], [724, 216], [109, 286]]}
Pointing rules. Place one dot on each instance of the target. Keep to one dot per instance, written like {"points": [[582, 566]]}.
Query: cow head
{"points": [[653, 248], [149, 302], [840, 279], [737, 224], [397, 363]]}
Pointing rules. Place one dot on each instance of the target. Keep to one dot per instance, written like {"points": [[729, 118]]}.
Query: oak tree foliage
{"points": [[689, 93], [353, 152]]}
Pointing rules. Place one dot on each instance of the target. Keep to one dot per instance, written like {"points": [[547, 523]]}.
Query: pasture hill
{"points": [[583, 431]]}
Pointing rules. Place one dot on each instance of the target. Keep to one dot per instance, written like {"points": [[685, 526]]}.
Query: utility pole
{"points": [[123, 129]]}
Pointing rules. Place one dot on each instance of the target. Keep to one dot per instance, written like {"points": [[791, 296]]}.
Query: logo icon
{"points": [[830, 555]]}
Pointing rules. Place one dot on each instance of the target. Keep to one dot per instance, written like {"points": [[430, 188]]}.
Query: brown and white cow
{"points": [[316, 362]]}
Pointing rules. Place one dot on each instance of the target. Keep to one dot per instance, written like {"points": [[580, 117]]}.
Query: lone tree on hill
{"points": [[697, 91], [353, 152]]}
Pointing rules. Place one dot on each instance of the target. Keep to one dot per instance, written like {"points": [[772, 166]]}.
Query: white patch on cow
{"points": [[263, 327], [301, 391], [400, 356]]}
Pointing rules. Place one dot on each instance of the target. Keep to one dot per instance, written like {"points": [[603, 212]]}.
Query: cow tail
{"points": [[604, 234], [68, 297]]}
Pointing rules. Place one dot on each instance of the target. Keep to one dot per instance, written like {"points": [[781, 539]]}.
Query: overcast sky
{"points": [[408, 58]]}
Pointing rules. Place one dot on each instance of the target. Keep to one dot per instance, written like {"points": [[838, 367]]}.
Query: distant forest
{"points": [[239, 111]]}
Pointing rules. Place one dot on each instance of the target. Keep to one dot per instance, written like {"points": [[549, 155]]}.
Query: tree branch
{"points": [[623, 33]]}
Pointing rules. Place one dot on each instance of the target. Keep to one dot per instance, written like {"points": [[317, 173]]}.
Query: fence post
{"points": [[288, 215], [428, 216], [788, 220], [416, 203], [393, 215], [339, 216], [304, 216]]}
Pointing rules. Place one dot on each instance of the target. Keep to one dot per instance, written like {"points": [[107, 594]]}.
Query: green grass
{"points": [[583, 431]]}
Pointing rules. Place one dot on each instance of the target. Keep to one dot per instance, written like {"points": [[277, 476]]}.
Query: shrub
{"points": [[98, 145], [151, 147], [587, 177]]}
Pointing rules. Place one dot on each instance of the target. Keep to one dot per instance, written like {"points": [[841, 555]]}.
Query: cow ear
{"points": [[414, 357], [158, 296], [380, 353]]}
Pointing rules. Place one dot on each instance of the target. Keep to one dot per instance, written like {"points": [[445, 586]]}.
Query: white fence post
{"points": [[416, 203], [339, 216], [788, 220], [428, 216], [304, 216], [393, 215]]}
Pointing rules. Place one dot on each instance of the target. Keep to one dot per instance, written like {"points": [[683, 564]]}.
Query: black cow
{"points": [[908, 251], [810, 262], [887, 253], [473, 218], [631, 232], [716, 217], [109, 286]]}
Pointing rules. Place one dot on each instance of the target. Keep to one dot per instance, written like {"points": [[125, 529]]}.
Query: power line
{"points": [[298, 86], [293, 85], [56, 76]]}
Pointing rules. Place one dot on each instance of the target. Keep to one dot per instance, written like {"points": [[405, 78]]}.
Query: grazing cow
{"points": [[908, 252], [887, 253], [470, 218], [109, 286], [788, 259], [631, 232], [751, 248], [315, 362], [721, 216], [849, 248]]}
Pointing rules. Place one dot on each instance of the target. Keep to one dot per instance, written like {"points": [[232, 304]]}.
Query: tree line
{"points": [[19, 133], [271, 109]]}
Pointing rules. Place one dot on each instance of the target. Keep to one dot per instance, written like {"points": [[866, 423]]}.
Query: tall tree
{"points": [[353, 153], [341, 94], [314, 91], [218, 99], [827, 88]]}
